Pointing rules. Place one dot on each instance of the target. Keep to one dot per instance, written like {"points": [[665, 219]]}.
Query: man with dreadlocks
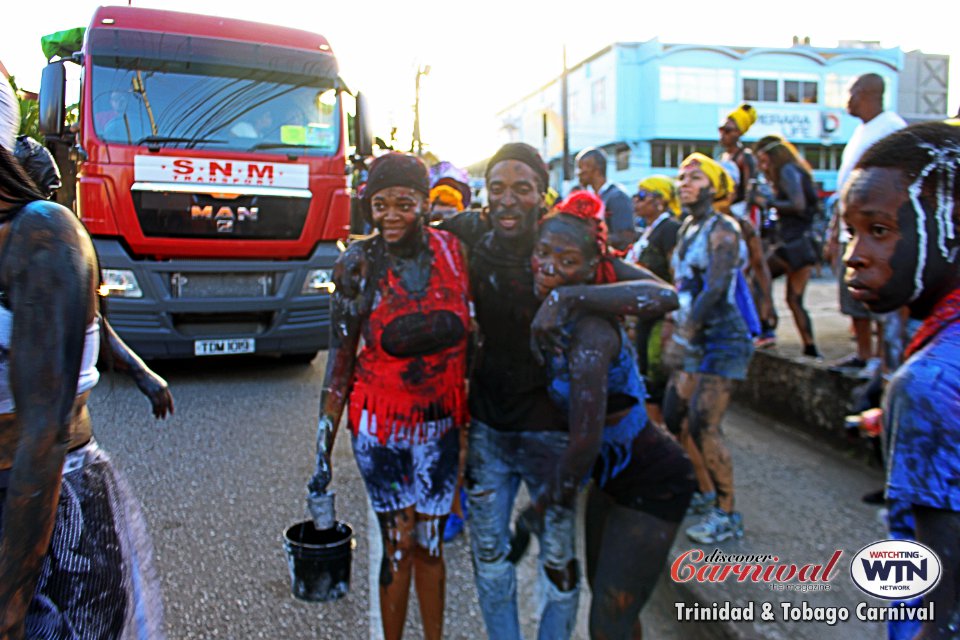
{"points": [[902, 205]]}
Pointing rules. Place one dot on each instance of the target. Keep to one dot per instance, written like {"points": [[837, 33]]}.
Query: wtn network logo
{"points": [[895, 569]]}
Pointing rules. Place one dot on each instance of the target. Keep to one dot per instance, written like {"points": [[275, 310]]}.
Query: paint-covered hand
{"points": [[548, 333], [322, 473], [320, 506], [350, 270], [530, 521], [157, 391]]}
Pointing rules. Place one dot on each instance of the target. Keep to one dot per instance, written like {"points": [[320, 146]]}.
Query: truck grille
{"points": [[220, 285], [200, 215], [221, 324]]}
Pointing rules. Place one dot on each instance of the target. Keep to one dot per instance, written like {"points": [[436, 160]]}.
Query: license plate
{"points": [[224, 347]]}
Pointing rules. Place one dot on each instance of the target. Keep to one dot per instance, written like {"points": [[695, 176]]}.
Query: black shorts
{"points": [[659, 479]]}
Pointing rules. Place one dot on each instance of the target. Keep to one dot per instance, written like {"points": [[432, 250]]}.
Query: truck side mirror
{"points": [[53, 87], [363, 135]]}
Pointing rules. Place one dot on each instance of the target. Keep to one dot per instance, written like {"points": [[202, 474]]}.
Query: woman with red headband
{"points": [[642, 478], [405, 382]]}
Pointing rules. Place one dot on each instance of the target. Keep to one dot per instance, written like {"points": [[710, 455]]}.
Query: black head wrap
{"points": [[395, 170], [521, 152]]}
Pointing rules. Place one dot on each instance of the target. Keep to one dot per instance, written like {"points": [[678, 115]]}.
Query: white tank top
{"points": [[89, 376]]}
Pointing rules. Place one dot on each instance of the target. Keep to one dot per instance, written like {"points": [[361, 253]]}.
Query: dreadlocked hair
{"points": [[16, 187]]}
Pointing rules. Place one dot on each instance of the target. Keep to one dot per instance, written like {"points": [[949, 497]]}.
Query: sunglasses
{"points": [[642, 195], [729, 130]]}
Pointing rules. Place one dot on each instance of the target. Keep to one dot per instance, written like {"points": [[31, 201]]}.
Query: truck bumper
{"points": [[186, 301]]}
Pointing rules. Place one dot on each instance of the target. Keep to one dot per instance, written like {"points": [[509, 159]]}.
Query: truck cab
{"points": [[209, 161]]}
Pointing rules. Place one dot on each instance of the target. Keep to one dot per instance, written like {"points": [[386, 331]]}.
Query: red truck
{"points": [[209, 162]]}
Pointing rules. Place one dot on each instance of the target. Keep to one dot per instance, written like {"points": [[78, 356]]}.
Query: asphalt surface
{"points": [[221, 480]]}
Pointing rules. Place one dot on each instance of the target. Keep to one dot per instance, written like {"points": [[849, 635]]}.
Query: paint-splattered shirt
{"points": [[922, 425]]}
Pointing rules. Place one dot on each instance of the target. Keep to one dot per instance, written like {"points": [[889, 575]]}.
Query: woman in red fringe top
{"points": [[398, 354]]}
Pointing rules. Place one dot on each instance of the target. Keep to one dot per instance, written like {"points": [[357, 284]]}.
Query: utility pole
{"points": [[565, 116], [422, 70]]}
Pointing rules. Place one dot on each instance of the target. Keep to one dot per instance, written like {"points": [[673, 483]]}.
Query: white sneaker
{"points": [[717, 527]]}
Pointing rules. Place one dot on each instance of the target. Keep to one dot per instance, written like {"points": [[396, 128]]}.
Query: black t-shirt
{"points": [[656, 255], [793, 225], [508, 389]]}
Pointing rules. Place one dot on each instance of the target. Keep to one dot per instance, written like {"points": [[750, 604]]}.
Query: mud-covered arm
{"points": [[122, 358], [791, 184], [648, 297], [49, 277], [759, 268], [346, 314], [593, 347], [724, 254]]}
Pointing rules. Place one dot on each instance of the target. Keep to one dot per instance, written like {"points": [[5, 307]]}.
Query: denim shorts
{"points": [[724, 349], [405, 472]]}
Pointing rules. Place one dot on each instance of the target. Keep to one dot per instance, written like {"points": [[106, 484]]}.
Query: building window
{"points": [[760, 90], [598, 96], [803, 91], [623, 159], [822, 157], [668, 154], [836, 90], [695, 84]]}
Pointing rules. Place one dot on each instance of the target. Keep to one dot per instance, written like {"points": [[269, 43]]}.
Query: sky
{"points": [[487, 54]]}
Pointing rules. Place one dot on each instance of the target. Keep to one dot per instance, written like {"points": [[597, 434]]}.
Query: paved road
{"points": [[221, 480]]}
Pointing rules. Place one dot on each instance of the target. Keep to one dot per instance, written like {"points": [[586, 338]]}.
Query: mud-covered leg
{"points": [[707, 407], [634, 550], [430, 573], [397, 531]]}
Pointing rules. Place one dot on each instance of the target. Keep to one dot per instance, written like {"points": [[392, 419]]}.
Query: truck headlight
{"points": [[119, 283], [318, 281]]}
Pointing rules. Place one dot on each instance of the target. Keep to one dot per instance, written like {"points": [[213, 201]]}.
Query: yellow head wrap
{"points": [[719, 178], [743, 116], [664, 186], [446, 195]]}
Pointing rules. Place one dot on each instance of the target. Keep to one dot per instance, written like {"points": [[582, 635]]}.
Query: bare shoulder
{"points": [[726, 228], [46, 234]]}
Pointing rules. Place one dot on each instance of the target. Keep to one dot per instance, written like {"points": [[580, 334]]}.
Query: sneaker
{"points": [[869, 369], [765, 341], [850, 364], [811, 351], [701, 503], [717, 527]]}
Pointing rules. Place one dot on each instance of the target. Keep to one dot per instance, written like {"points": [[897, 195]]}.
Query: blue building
{"points": [[649, 104]]}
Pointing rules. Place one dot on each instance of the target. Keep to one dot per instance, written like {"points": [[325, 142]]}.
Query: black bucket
{"points": [[319, 561]]}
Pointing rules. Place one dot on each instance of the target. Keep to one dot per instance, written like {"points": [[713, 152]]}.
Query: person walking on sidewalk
{"points": [[642, 480], [902, 207], [795, 199], [592, 173], [399, 357], [711, 339], [866, 103]]}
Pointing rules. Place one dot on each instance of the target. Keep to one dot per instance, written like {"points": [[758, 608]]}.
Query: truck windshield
{"points": [[187, 105]]}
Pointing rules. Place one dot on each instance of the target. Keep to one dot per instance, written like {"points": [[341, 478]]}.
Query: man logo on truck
{"points": [[225, 216]]}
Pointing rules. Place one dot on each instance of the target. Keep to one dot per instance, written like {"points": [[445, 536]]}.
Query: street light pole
{"points": [[422, 70]]}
